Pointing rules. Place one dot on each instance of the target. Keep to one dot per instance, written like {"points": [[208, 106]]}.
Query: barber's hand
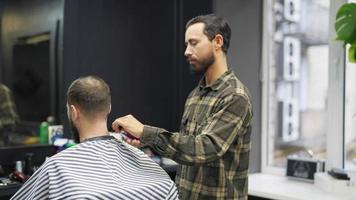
{"points": [[128, 124], [133, 142], [128, 138]]}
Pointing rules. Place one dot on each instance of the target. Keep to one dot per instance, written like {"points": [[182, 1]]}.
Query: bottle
{"points": [[18, 166], [17, 174], [44, 133], [28, 164]]}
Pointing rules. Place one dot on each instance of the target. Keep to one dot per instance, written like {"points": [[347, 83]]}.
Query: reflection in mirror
{"points": [[31, 88], [8, 113], [31, 85], [29, 64]]}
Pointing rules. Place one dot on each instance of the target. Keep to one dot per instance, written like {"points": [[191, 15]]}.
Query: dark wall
{"points": [[2, 6], [245, 18], [186, 81], [137, 47]]}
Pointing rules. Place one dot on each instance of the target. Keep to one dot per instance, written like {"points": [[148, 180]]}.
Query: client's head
{"points": [[88, 102]]}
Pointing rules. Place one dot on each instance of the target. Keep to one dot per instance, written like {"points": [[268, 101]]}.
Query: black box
{"points": [[304, 168]]}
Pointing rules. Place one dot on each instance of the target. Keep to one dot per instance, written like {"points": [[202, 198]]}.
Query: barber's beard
{"points": [[200, 67], [75, 132]]}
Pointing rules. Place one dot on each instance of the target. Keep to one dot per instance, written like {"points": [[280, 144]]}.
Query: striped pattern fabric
{"points": [[8, 114], [104, 168], [213, 144]]}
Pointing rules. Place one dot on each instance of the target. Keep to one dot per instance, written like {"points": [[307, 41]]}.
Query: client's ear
{"points": [[74, 112]]}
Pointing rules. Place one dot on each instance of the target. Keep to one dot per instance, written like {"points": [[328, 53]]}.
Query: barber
{"points": [[213, 144]]}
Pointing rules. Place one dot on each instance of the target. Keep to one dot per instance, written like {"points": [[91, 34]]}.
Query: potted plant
{"points": [[345, 27]]}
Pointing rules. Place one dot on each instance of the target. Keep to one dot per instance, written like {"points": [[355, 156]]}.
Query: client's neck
{"points": [[90, 129]]}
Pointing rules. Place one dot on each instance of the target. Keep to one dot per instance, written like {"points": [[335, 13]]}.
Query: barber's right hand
{"points": [[128, 124], [133, 142]]}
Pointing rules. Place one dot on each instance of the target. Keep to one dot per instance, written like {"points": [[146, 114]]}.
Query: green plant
{"points": [[345, 27]]}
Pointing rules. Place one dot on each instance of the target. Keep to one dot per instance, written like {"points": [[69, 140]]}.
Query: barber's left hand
{"points": [[128, 124]]}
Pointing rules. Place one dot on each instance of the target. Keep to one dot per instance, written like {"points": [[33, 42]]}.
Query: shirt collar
{"points": [[104, 137], [218, 83]]}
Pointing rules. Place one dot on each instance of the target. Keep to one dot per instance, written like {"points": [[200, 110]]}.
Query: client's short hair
{"points": [[91, 94]]}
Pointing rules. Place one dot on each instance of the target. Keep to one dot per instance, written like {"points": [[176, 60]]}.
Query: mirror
{"points": [[29, 65], [31, 83], [31, 87]]}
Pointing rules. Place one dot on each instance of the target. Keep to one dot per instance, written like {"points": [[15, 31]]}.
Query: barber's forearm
{"points": [[178, 147], [149, 134], [158, 139]]}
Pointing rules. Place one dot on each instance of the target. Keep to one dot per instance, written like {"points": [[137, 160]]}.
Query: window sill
{"points": [[282, 188]]}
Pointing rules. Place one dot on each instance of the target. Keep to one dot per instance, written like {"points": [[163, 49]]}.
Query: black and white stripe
{"points": [[99, 169]]}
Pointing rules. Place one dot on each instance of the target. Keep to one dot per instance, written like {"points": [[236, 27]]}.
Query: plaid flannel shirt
{"points": [[213, 144], [8, 114]]}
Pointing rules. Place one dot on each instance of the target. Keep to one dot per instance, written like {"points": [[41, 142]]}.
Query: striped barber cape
{"points": [[99, 168]]}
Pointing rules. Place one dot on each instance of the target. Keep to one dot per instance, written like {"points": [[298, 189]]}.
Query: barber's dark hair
{"points": [[91, 94], [213, 25]]}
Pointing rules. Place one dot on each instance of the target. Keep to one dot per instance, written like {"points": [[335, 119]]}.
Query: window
{"points": [[350, 117], [295, 80]]}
